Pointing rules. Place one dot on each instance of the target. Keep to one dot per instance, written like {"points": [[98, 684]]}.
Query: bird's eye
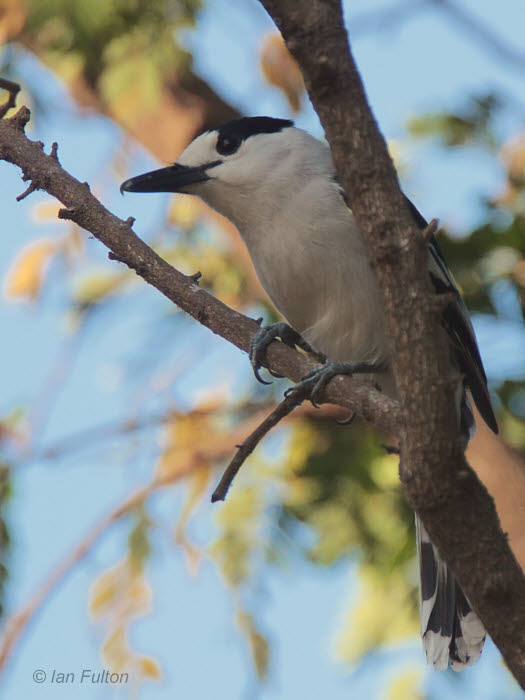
{"points": [[228, 144]]}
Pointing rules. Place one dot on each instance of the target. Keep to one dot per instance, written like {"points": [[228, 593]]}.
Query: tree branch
{"points": [[455, 507], [290, 402], [46, 173], [482, 33], [17, 623]]}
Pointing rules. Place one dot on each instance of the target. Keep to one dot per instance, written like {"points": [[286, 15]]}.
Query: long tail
{"points": [[451, 630]]}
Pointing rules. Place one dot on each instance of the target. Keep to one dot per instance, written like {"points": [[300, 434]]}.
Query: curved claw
{"points": [[258, 376], [275, 374], [309, 386], [347, 421], [317, 391], [318, 377], [260, 342], [258, 345], [316, 380]]}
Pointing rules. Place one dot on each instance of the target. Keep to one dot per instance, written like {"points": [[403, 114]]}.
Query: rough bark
{"points": [[455, 507]]}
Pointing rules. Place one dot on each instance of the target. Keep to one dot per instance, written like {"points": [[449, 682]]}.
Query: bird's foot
{"points": [[267, 334], [313, 384]]}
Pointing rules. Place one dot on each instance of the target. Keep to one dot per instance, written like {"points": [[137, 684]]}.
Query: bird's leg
{"points": [[264, 336], [315, 381]]}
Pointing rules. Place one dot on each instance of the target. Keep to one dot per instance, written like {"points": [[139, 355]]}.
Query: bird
{"points": [[278, 185]]}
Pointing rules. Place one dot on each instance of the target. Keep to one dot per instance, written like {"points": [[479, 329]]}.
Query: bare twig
{"points": [[481, 32], [17, 623], [92, 436], [292, 399], [430, 230], [13, 89], [385, 18], [54, 151], [43, 403], [398, 13], [29, 190]]}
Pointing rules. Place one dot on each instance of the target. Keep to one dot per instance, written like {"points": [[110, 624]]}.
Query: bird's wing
{"points": [[457, 323]]}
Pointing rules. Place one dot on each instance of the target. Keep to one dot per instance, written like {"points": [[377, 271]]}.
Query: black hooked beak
{"points": [[171, 179]]}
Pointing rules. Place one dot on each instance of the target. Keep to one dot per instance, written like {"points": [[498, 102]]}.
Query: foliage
{"points": [[114, 53], [471, 124]]}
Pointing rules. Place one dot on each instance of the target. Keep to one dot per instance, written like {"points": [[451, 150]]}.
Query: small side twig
{"points": [[17, 623], [114, 256], [13, 89], [32, 188], [67, 213], [53, 153], [430, 230], [244, 450]]}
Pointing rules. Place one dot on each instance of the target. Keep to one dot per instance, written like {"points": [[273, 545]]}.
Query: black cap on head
{"points": [[250, 126], [231, 135]]}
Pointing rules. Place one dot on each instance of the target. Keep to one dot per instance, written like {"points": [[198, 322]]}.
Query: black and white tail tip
{"points": [[452, 632]]}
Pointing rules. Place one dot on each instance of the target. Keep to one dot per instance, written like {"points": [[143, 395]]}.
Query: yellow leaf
{"points": [[193, 554], [72, 243], [519, 273], [187, 437], [280, 69], [258, 643], [149, 668], [26, 274], [382, 613], [238, 522], [46, 211], [12, 19], [139, 596], [115, 651], [513, 156], [197, 485], [184, 211], [138, 542], [406, 686], [102, 593], [95, 287]]}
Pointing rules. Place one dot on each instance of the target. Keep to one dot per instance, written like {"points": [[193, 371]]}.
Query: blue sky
{"points": [[425, 64]]}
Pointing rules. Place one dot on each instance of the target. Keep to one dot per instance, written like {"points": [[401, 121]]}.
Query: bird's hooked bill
{"points": [[171, 179]]}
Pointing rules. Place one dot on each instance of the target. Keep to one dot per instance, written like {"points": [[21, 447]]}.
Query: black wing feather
{"points": [[456, 322]]}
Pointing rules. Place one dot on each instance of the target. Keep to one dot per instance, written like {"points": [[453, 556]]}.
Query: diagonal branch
{"points": [[483, 33], [17, 624], [291, 401], [46, 173], [455, 507]]}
